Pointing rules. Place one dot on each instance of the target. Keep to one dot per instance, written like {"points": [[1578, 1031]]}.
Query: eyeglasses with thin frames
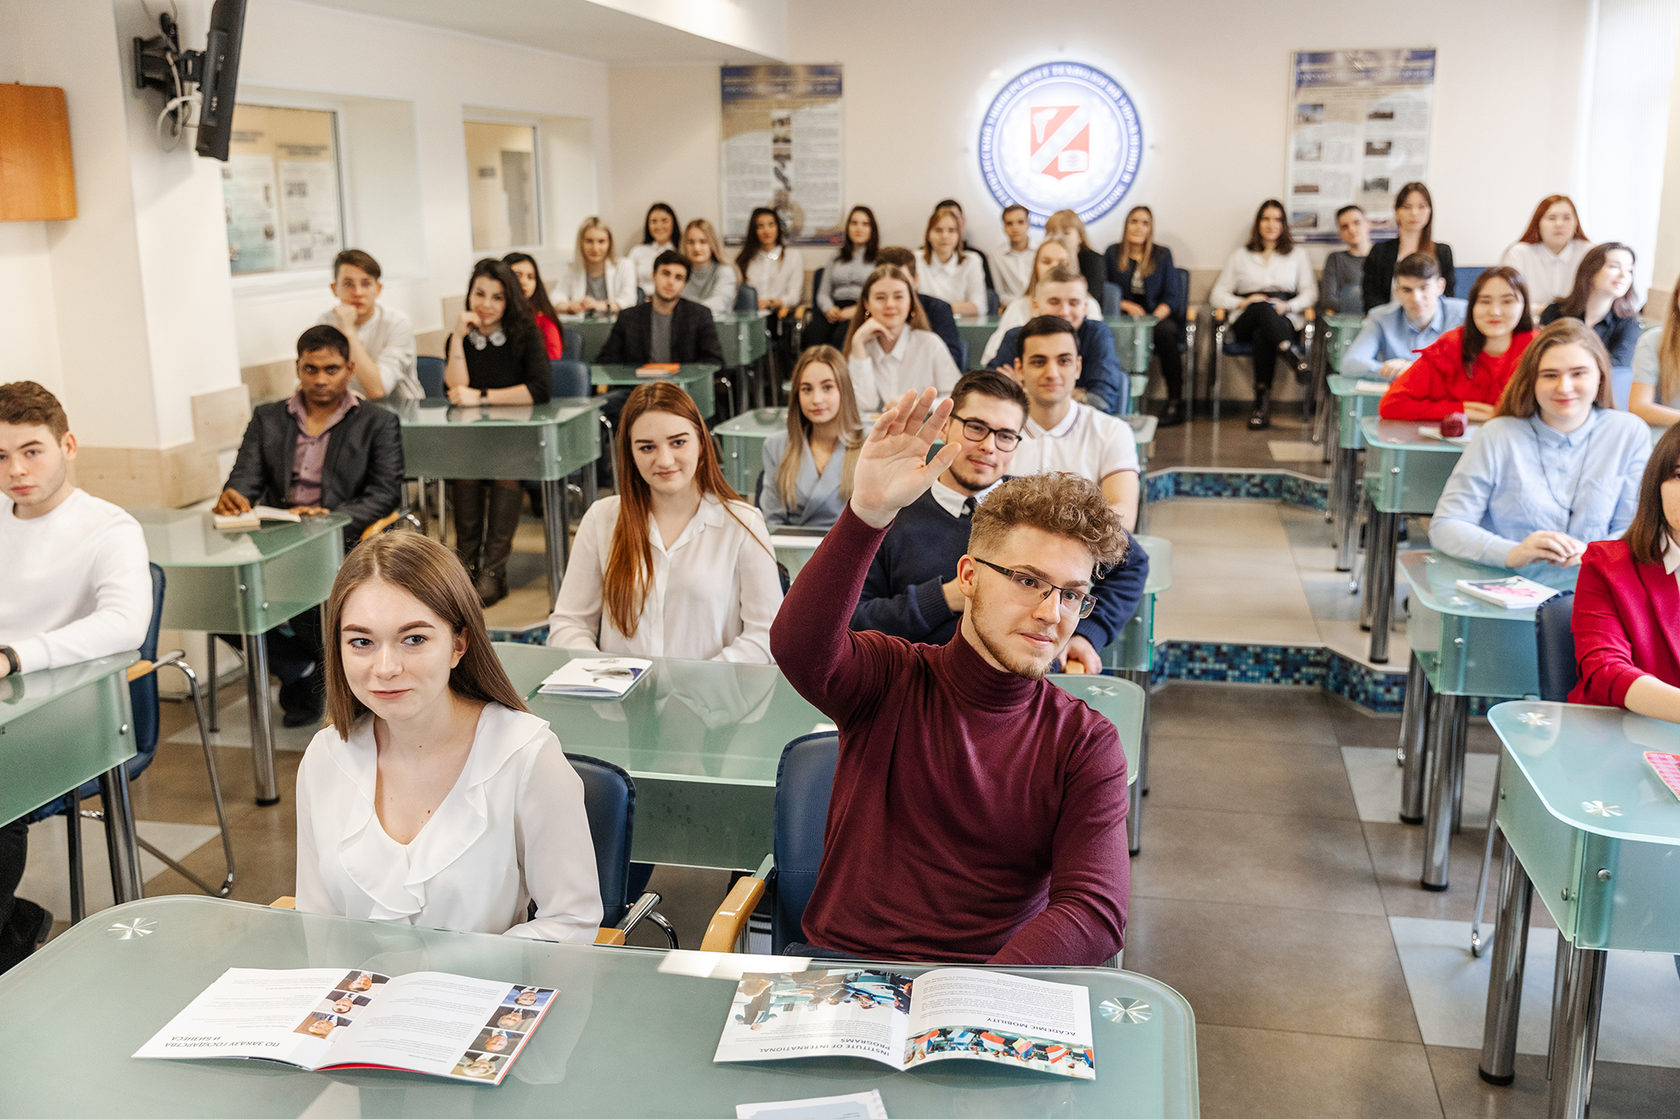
{"points": [[975, 431], [1070, 601]]}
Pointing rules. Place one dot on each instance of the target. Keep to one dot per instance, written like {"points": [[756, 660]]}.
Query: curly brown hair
{"points": [[1060, 503]]}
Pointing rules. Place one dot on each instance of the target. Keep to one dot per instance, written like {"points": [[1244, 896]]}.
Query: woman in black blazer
{"points": [[1150, 286], [1414, 214]]}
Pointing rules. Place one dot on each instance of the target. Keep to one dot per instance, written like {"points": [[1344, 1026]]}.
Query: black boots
{"points": [[1171, 415], [491, 581], [468, 498], [1261, 417]]}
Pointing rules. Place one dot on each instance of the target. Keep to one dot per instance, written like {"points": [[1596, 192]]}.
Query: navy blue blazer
{"points": [[1162, 285]]}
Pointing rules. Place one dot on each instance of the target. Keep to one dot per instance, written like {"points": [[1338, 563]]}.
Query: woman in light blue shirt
{"points": [[1555, 469], [808, 469]]}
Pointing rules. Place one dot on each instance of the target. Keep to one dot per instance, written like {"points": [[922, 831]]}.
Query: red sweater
{"points": [[976, 815], [551, 336], [1435, 386], [1626, 624]]}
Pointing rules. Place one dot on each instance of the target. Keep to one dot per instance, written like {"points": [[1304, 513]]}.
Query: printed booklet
{"points": [[1514, 593], [318, 1018], [1667, 767], [956, 1013], [253, 518], [595, 677]]}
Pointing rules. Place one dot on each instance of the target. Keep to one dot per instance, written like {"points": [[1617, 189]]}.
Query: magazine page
{"points": [[1029, 1023], [291, 1015], [858, 1105], [445, 1025], [825, 1012]]}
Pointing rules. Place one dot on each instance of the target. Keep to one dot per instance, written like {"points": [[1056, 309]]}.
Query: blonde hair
{"points": [[588, 224], [939, 214], [705, 227], [1067, 221], [1071, 251], [799, 427]]}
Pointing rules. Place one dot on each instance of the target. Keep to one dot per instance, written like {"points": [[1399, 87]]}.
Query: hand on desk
{"points": [[309, 510], [1547, 547], [231, 504], [1477, 412], [464, 396]]}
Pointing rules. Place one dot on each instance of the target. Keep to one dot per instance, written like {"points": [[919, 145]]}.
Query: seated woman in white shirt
{"points": [[597, 282], [808, 469], [677, 565], [1550, 250], [1655, 394], [766, 263], [659, 234], [434, 798], [889, 348], [1555, 469], [947, 271], [1052, 253], [712, 281], [1267, 283]]}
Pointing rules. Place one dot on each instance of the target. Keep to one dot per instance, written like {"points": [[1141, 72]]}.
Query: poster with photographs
{"points": [[782, 148], [1358, 131], [251, 205]]}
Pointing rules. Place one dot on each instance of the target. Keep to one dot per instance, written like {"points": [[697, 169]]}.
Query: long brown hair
{"points": [[1649, 533], [799, 428], [1426, 235], [934, 218], [1257, 244], [1143, 264], [1531, 235], [918, 318], [1474, 340], [870, 247], [431, 573], [1574, 305], [629, 569], [1668, 351], [1518, 398], [540, 304]]}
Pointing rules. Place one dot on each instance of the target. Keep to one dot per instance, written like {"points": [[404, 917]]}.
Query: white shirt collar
{"points": [[951, 500], [1671, 555], [1061, 430]]}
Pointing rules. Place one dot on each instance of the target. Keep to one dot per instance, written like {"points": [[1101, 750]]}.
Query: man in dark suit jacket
{"points": [[323, 450], [667, 328], [940, 319]]}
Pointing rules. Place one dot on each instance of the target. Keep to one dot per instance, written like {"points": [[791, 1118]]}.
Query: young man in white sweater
{"points": [[77, 587]]}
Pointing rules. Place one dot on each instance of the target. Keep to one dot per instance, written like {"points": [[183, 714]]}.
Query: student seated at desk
{"points": [[1012, 269], [659, 235], [712, 281], [1341, 284], [495, 355], [946, 271], [525, 270], [1150, 287], [1467, 368], [808, 469], [434, 798], [1604, 299], [978, 812], [1393, 335], [1655, 393], [1265, 287], [1062, 293], [912, 589], [77, 588], [1627, 603], [1555, 468], [1414, 217], [381, 339], [677, 565], [319, 451], [889, 347], [597, 282], [940, 318], [836, 297], [666, 328], [1052, 252], [1068, 225], [768, 265], [1064, 434], [1549, 252]]}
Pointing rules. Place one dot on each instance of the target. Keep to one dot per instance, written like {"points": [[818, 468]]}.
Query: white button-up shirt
{"points": [[918, 360]]}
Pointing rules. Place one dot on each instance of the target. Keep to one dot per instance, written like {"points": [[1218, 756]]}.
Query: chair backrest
{"points": [[746, 298], [429, 371], [609, 800], [962, 354], [816, 286], [1181, 277], [1466, 275], [571, 342], [568, 377], [1555, 647], [1110, 299], [804, 780]]}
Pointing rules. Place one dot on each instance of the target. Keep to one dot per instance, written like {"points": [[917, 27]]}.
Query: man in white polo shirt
{"points": [[76, 587], [1063, 434]]}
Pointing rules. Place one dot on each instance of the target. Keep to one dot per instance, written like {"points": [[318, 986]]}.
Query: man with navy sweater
{"points": [[913, 590]]}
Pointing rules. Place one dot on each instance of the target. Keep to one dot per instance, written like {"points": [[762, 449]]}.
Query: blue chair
{"points": [[609, 800], [429, 371], [746, 298], [804, 781], [1554, 647], [1464, 277], [811, 312], [1110, 300], [143, 698], [1225, 346], [962, 354], [571, 342], [568, 378]]}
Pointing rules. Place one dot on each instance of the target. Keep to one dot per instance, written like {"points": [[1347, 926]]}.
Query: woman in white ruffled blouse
{"points": [[434, 797]]}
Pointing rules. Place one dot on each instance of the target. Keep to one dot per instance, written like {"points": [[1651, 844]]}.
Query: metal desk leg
{"points": [[262, 719], [212, 712], [1576, 1031], [1446, 763], [1379, 590], [589, 485], [1347, 506], [119, 833], [1134, 817], [554, 532], [1510, 946], [1414, 741]]}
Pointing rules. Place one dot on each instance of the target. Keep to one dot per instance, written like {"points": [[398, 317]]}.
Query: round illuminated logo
{"points": [[1062, 136]]}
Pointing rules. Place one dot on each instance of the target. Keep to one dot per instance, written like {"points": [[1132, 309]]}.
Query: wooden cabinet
{"points": [[37, 180]]}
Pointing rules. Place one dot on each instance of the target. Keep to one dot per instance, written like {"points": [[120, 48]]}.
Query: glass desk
{"points": [[526, 442], [63, 727], [632, 1031], [703, 740], [1335, 334], [593, 329], [1461, 647], [1133, 657], [1351, 406], [1405, 472], [696, 380], [1590, 827], [245, 583]]}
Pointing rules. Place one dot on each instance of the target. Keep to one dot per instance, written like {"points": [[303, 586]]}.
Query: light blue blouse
{"points": [[1521, 476], [820, 503]]}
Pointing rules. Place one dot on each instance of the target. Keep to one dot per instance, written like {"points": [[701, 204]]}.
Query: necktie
{"points": [[968, 506]]}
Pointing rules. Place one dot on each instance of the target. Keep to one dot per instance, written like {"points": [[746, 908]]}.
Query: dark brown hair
{"points": [[27, 403], [1531, 235], [1574, 305], [750, 246], [1418, 266], [933, 220], [872, 246], [1059, 503], [1426, 235], [356, 258], [430, 572], [517, 319], [988, 382], [1518, 398], [1257, 244], [540, 303], [323, 337], [1474, 339], [1649, 533]]}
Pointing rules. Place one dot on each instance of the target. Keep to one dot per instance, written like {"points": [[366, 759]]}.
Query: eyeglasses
{"points": [[1070, 601], [975, 432]]}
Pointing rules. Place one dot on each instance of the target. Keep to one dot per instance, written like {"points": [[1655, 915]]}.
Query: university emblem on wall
{"points": [[1062, 136]]}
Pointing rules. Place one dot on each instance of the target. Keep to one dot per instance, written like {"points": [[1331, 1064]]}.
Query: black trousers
{"points": [[14, 851], [1261, 326], [293, 648], [1168, 333]]}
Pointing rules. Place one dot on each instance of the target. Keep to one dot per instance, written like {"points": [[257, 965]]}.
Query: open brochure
{"points": [[1366, 387], [857, 1105], [951, 1014], [595, 677], [1513, 593], [1433, 431], [319, 1018], [254, 518], [1667, 767]]}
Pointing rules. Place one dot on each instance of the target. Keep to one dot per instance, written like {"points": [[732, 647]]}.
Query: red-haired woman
{"points": [[1550, 249]]}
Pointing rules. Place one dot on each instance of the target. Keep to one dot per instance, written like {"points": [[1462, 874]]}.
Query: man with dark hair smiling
{"points": [[667, 328], [978, 811]]}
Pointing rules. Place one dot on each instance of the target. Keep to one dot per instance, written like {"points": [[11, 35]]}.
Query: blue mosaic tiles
{"points": [[1260, 485]]}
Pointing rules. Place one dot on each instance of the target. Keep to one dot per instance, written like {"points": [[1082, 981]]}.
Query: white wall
{"points": [[25, 267], [1210, 80]]}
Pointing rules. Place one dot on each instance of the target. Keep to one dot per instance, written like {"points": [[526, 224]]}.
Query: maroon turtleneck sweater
{"points": [[977, 816]]}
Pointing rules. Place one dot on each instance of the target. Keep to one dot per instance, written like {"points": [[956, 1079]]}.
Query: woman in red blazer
{"points": [[1627, 601]]}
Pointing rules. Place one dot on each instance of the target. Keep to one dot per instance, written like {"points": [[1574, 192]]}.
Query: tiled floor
{"points": [[1275, 888]]}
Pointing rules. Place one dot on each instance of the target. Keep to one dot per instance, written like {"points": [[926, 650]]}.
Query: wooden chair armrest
{"points": [[1309, 314], [139, 669], [614, 937], [1220, 314], [287, 902], [381, 525], [1190, 314], [730, 920]]}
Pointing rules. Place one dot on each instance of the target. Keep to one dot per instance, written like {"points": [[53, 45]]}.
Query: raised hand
{"points": [[893, 468]]}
